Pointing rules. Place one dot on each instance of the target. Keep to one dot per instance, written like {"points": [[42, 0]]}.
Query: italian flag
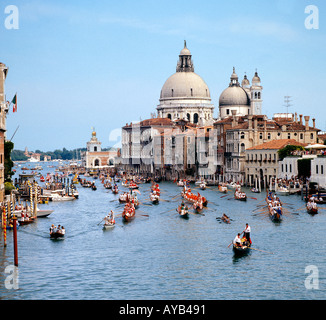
{"points": [[14, 102]]}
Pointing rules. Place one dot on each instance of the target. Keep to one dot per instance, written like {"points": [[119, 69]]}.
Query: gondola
{"points": [[93, 187], [108, 225], [183, 213], [26, 222], [275, 215], [154, 198], [240, 251], [56, 235], [240, 196], [115, 190], [312, 209]]}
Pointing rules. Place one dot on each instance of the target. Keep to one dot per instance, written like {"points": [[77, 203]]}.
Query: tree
{"points": [[8, 163], [286, 151]]}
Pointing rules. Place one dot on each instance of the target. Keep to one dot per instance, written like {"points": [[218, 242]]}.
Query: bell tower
{"points": [[256, 100]]}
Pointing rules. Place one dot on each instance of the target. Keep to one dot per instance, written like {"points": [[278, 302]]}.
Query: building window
{"points": [[96, 162], [95, 149], [196, 118], [242, 135], [301, 135], [227, 111], [260, 136], [322, 169], [289, 135], [172, 92], [316, 169], [188, 116], [282, 168], [311, 135], [290, 167], [258, 95], [269, 136], [169, 116], [191, 93]]}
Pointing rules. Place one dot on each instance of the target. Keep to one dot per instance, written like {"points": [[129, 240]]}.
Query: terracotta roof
{"points": [[153, 122], [277, 144]]}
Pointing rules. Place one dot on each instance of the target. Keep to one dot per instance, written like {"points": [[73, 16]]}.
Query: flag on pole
{"points": [[14, 102]]}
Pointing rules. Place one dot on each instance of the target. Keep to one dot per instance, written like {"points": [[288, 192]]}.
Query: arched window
{"points": [[242, 147], [258, 95], [191, 92], [169, 116], [242, 135], [96, 162], [171, 92], [196, 118], [95, 149], [188, 116], [255, 95]]}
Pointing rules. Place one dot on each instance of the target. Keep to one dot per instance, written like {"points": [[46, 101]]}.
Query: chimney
{"points": [[314, 123], [306, 119], [250, 122], [234, 118], [300, 121]]}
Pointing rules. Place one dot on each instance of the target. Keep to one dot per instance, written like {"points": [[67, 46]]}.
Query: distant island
{"points": [[64, 154]]}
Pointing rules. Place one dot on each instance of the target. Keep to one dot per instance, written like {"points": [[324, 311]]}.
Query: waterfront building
{"points": [[241, 133], [95, 158], [3, 128], [262, 161]]}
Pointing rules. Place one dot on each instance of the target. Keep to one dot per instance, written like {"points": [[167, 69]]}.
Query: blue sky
{"points": [[82, 64]]}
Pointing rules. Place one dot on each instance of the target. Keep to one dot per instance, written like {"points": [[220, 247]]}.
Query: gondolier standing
{"points": [[247, 233]]}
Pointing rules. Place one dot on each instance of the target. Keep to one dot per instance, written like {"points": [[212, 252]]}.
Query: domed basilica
{"points": [[185, 95]]}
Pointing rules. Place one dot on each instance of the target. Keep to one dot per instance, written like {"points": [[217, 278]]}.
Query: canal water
{"points": [[160, 256]]}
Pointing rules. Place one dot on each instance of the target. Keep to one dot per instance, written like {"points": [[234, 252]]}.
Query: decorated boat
{"points": [[128, 213], [189, 196]]}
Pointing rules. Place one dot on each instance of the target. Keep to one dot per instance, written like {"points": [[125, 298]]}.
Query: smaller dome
{"points": [[234, 96], [245, 81], [256, 79]]}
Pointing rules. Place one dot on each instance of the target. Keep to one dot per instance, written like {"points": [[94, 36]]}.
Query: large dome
{"points": [[185, 85], [234, 96]]}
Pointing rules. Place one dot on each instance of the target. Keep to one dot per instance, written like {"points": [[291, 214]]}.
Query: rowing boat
{"points": [[312, 207], [240, 251], [183, 213], [128, 213], [274, 213], [108, 225], [56, 235]]}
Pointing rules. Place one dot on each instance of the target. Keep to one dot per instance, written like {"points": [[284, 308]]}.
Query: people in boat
{"points": [[237, 241], [53, 229], [62, 230], [246, 233]]}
